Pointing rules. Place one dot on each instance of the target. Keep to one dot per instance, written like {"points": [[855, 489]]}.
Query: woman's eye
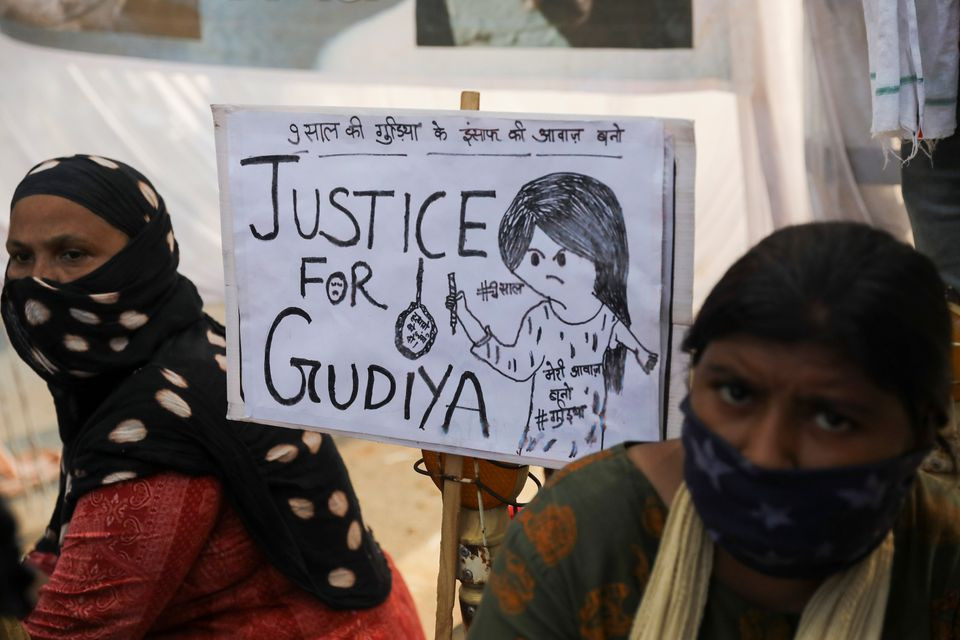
{"points": [[832, 421], [72, 255], [734, 393], [535, 259], [561, 258]]}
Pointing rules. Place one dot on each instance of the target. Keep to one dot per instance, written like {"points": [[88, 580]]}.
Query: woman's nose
{"points": [[770, 440], [44, 269]]}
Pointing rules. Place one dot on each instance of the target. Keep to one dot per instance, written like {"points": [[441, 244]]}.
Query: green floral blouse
{"points": [[575, 563]]}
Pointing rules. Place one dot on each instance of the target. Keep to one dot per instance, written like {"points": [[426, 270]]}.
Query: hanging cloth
{"points": [[913, 54]]}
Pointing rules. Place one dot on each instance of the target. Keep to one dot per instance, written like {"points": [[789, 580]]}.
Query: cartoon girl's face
{"points": [[556, 272]]}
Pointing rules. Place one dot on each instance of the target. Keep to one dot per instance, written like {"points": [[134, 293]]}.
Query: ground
{"points": [[404, 510]]}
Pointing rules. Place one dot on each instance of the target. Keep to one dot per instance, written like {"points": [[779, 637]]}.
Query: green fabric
{"points": [[10, 629], [575, 562]]}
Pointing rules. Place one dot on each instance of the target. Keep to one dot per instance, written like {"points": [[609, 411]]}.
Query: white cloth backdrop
{"points": [[848, 175], [155, 115], [744, 86]]}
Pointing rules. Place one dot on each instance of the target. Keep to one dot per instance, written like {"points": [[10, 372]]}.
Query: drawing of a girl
{"points": [[564, 237]]}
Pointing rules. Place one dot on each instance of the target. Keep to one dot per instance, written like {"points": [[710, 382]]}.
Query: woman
{"points": [[792, 502], [563, 236], [171, 521]]}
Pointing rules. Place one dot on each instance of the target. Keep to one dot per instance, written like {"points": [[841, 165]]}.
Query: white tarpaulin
{"points": [[741, 85]]}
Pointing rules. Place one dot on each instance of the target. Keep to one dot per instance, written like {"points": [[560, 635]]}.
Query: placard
{"points": [[477, 283]]}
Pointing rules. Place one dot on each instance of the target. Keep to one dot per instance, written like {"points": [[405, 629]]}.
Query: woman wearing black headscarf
{"points": [[171, 519]]}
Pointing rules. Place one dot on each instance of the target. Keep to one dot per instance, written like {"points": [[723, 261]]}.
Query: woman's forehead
{"points": [[801, 364], [37, 218]]}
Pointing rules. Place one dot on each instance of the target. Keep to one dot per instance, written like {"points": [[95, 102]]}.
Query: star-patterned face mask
{"points": [[791, 523]]}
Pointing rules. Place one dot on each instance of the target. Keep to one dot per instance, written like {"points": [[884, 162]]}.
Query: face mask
{"points": [[791, 523], [66, 333], [71, 332]]}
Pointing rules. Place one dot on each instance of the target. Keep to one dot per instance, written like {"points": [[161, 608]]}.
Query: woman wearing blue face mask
{"points": [[792, 505]]}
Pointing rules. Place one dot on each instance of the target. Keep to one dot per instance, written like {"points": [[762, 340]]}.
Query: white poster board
{"points": [[485, 284]]}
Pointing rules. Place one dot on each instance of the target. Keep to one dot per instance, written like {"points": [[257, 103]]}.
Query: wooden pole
{"points": [[449, 541], [469, 100], [450, 523]]}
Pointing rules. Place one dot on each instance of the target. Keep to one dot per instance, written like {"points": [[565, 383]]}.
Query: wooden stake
{"points": [[449, 541], [450, 524], [469, 101]]}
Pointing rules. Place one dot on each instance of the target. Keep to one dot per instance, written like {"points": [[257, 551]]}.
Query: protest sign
{"points": [[493, 285]]}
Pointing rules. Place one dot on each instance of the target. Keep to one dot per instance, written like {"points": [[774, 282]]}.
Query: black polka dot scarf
{"points": [[108, 320], [137, 373]]}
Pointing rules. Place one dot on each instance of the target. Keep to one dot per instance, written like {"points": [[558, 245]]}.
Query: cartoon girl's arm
{"points": [[645, 358], [518, 360], [474, 329]]}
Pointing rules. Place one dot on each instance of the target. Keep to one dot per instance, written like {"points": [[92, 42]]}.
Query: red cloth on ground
{"points": [[167, 557]]}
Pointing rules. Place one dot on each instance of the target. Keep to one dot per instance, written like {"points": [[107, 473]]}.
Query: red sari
{"points": [[168, 557]]}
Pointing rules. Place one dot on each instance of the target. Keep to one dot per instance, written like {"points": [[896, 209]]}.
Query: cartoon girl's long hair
{"points": [[582, 215]]}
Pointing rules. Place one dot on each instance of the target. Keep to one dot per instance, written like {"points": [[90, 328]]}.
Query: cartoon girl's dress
{"points": [[564, 362]]}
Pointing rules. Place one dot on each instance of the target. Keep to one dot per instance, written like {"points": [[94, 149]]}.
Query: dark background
{"points": [[625, 24]]}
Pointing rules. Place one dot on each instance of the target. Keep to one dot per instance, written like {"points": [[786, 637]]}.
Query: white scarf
{"points": [[849, 604]]}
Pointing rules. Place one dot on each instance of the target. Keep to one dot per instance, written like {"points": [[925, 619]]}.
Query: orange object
{"points": [[506, 481], [8, 465]]}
